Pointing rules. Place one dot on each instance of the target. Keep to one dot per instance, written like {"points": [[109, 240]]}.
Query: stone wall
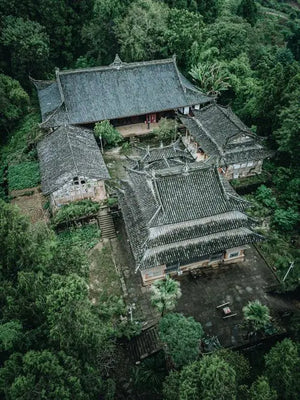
{"points": [[78, 189]]}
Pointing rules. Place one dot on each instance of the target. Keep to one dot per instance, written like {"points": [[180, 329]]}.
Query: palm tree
{"points": [[257, 315], [165, 294]]}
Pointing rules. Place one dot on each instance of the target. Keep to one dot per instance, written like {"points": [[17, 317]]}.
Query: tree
{"points": [[171, 386], [13, 102], [238, 362], [99, 33], [28, 45], [10, 335], [283, 369], [179, 333], [211, 78], [256, 315], [248, 10], [165, 294], [261, 390], [104, 130], [141, 32], [73, 323], [207, 379], [42, 375]]}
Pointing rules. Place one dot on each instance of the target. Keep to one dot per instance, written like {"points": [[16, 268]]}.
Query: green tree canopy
{"points": [[28, 44], [248, 10], [179, 333], [261, 390], [283, 369], [13, 102], [105, 131]]}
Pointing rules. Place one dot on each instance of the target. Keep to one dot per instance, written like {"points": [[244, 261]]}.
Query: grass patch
{"points": [[104, 280], [85, 237], [23, 176]]}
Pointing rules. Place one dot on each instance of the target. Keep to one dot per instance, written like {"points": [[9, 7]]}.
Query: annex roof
{"points": [[66, 153], [119, 90], [221, 133], [163, 156], [181, 214]]}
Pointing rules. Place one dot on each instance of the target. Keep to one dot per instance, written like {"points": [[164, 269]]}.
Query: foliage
{"points": [[23, 176], [10, 335], [149, 374], [248, 10], [256, 315], [179, 333], [265, 195], [282, 369], [28, 44], [261, 390], [238, 362], [164, 294], [285, 220], [171, 386], [86, 236], [211, 78], [13, 101], [141, 32], [166, 130], [75, 210], [209, 378], [108, 133]]}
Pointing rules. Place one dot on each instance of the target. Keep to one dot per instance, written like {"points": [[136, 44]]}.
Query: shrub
{"points": [[285, 220], [257, 315], [108, 133], [166, 129], [75, 210], [87, 236], [265, 196], [23, 176]]}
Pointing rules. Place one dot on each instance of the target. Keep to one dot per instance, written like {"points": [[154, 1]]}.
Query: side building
{"points": [[124, 93], [182, 218], [72, 167], [216, 131]]}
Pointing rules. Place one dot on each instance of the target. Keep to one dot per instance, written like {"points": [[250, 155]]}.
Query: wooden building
{"points": [[216, 131], [72, 167], [124, 93], [182, 218]]}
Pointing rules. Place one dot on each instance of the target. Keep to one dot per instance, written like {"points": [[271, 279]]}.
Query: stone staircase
{"points": [[106, 224]]}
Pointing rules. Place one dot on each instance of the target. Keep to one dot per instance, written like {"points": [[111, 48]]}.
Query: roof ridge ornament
{"points": [[117, 63]]}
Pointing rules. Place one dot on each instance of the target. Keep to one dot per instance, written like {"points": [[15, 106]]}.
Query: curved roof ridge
{"points": [[113, 66]]}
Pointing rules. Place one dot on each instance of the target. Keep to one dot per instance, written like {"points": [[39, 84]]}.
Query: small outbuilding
{"points": [[72, 167], [216, 131]]}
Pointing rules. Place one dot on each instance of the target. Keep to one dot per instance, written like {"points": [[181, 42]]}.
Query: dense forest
{"points": [[55, 344]]}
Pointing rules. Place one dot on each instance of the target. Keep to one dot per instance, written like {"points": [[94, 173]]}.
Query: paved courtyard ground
{"points": [[236, 284]]}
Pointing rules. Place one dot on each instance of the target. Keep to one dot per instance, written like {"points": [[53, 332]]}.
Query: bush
{"points": [[265, 196], [87, 236], [285, 220], [166, 129], [23, 176], [108, 133], [75, 210]]}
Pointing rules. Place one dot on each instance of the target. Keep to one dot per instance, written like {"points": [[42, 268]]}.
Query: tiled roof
{"points": [[68, 152], [116, 91], [221, 133], [181, 214]]}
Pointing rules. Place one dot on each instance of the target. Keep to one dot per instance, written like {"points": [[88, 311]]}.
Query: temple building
{"points": [[182, 218], [216, 131], [72, 167], [124, 93]]}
